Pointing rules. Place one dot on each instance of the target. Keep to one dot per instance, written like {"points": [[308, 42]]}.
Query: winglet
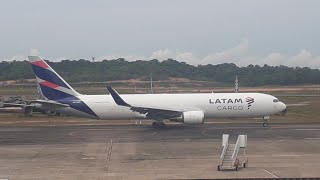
{"points": [[116, 97]]}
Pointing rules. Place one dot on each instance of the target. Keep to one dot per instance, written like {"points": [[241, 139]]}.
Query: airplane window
{"points": [[276, 100]]}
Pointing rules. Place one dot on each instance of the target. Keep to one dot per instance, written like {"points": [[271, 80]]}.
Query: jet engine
{"points": [[52, 113], [191, 117]]}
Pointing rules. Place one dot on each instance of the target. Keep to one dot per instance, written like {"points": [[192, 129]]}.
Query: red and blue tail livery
{"points": [[55, 88]]}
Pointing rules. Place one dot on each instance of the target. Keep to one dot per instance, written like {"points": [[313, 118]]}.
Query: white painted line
{"points": [[255, 127], [275, 176], [154, 133], [308, 129], [312, 138], [109, 155], [71, 134], [286, 155], [126, 129], [104, 129], [204, 133], [88, 158]]}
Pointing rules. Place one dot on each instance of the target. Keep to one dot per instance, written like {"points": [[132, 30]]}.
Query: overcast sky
{"points": [[260, 32]]}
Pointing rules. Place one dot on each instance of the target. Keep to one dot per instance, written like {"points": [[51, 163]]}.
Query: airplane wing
{"points": [[154, 112]]}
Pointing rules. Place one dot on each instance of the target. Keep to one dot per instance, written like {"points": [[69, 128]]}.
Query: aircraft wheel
{"points": [[237, 168], [155, 125], [162, 125], [219, 167], [244, 165], [265, 124]]}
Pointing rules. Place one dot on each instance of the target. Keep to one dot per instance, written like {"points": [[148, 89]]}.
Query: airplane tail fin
{"points": [[52, 86]]}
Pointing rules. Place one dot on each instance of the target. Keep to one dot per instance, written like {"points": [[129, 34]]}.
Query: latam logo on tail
{"points": [[250, 101]]}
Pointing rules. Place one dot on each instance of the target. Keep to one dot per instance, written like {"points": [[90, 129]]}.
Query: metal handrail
{"points": [[236, 150], [224, 151]]}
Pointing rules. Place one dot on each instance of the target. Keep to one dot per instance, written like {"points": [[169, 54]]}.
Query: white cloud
{"points": [[17, 58], [229, 55], [164, 54], [239, 55], [303, 58], [127, 57], [34, 52]]}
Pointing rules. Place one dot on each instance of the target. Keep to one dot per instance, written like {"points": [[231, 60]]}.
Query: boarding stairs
{"points": [[230, 157]]}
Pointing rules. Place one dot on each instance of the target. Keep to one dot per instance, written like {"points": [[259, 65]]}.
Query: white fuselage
{"points": [[214, 105]]}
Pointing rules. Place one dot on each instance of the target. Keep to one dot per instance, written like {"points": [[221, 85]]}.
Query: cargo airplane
{"points": [[193, 108]]}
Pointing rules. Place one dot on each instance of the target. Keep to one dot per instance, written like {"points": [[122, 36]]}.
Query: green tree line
{"points": [[120, 69]]}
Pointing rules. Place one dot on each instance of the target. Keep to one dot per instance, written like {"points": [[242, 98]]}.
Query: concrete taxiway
{"points": [[131, 151]]}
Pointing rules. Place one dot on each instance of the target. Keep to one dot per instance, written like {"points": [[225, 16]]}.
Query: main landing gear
{"points": [[265, 121], [159, 125]]}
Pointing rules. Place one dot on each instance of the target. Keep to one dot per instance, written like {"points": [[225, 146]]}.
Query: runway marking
{"points": [[286, 155], [204, 133], [88, 158], [104, 129], [127, 129], [312, 138], [109, 155], [307, 129], [250, 127], [154, 133], [71, 134], [275, 176]]}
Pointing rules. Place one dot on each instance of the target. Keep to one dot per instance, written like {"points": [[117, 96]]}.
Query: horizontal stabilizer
{"points": [[50, 103]]}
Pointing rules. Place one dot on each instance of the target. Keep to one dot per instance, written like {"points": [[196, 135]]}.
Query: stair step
{"points": [[227, 167], [226, 163]]}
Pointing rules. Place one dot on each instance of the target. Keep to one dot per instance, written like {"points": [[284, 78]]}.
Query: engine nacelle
{"points": [[52, 113], [192, 117]]}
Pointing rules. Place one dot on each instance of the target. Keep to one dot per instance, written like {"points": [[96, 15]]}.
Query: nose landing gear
{"points": [[265, 121]]}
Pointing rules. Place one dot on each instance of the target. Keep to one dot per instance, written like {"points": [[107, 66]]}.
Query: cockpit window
{"points": [[276, 100]]}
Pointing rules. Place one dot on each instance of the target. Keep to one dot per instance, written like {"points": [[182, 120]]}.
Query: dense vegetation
{"points": [[120, 69]]}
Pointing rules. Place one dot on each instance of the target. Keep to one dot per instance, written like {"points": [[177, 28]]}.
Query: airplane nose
{"points": [[282, 108]]}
